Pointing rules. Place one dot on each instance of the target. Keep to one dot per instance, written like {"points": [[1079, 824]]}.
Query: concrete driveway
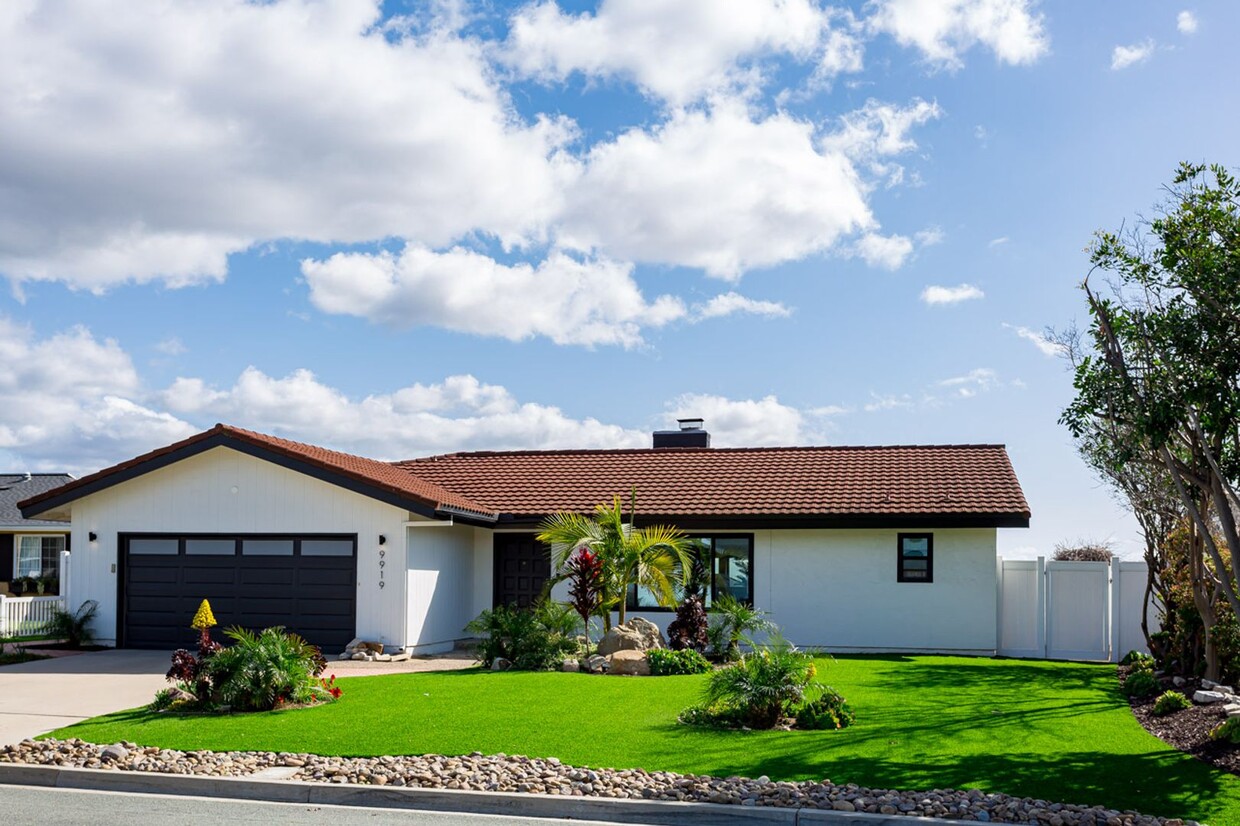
{"points": [[39, 696]]}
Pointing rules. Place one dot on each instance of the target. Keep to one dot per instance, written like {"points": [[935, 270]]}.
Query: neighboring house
{"points": [[29, 547], [848, 548]]}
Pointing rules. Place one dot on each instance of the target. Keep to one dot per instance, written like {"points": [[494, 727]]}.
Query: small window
{"points": [[267, 547], [39, 556], [153, 547], [211, 547], [916, 560], [327, 547]]}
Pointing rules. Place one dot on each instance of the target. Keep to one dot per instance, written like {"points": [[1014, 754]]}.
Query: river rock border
{"points": [[515, 773]]}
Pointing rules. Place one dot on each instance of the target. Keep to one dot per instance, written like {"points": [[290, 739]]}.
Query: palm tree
{"points": [[656, 557]]}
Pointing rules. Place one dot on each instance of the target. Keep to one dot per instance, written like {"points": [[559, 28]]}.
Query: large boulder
{"points": [[629, 663], [635, 635]]}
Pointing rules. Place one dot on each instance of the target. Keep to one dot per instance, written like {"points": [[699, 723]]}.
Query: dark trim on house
{"points": [[929, 577], [225, 440], [765, 521], [633, 607]]}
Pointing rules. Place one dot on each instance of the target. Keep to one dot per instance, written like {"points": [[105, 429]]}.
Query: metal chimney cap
{"points": [[691, 424]]}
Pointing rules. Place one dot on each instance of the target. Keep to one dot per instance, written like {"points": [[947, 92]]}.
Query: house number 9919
{"points": [[382, 564]]}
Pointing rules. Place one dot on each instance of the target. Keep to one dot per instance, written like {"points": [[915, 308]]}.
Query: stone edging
{"points": [[659, 813]]}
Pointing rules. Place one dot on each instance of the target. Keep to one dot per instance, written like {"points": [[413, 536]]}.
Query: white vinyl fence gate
{"points": [[1071, 610]]}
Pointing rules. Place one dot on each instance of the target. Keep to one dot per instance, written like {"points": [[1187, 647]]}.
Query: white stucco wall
{"points": [[224, 491], [441, 584], [837, 590]]}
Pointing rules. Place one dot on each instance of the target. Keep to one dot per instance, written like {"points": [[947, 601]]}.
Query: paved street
{"points": [[27, 805]]}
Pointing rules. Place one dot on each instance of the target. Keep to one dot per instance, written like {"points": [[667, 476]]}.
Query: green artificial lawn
{"points": [[1059, 731]]}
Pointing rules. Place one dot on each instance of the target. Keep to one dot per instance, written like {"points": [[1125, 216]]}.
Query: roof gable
{"points": [[14, 487]]}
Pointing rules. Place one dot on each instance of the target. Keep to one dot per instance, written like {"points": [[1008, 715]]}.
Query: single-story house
{"points": [[30, 549], [848, 548]]}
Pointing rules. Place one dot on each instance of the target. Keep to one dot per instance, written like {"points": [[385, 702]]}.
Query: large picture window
{"points": [[38, 556], [916, 557], [726, 566]]}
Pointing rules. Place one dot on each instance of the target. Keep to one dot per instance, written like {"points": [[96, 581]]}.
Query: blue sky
{"points": [[415, 228]]}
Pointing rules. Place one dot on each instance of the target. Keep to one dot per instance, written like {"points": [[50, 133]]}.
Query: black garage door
{"points": [[305, 583]]}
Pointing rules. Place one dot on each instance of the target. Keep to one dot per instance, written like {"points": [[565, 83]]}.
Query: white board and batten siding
{"points": [[227, 492], [442, 574], [1087, 611]]}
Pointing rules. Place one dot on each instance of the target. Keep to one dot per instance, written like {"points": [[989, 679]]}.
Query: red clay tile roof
{"points": [[946, 480], [381, 475]]}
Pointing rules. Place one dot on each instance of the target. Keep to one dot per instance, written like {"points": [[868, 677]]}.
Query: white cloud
{"points": [[1045, 345], [1186, 22], [570, 301], [150, 142], [171, 346], [892, 401], [997, 242], [951, 295], [886, 251], [944, 29], [65, 403], [761, 422], [970, 384], [1124, 56], [731, 303], [929, 236], [716, 190], [680, 50]]}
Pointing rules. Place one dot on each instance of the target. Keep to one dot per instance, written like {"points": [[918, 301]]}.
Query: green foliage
{"points": [[1170, 702], [164, 699], [74, 627], [1138, 660], [260, 671], [827, 711], [706, 716], [666, 661], [534, 639], [1228, 730], [731, 624], [655, 557], [763, 685], [1140, 683]]}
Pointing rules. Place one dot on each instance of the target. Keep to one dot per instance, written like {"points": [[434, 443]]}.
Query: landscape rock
{"points": [[1223, 689], [1208, 685], [629, 664], [400, 656], [637, 634], [1232, 709], [570, 665], [597, 664], [500, 664], [114, 754], [504, 773], [1178, 682], [1207, 697]]}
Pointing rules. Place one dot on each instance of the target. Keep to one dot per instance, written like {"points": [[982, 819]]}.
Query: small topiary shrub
{"points": [[1228, 730], [829, 711], [689, 629], [665, 662], [1140, 684], [1170, 702], [1138, 660]]}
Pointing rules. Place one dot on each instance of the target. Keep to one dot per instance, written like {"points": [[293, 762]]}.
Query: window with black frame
{"points": [[916, 557], [725, 566]]}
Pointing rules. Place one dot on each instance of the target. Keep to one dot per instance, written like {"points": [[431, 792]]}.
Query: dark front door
{"points": [[522, 568], [308, 584]]}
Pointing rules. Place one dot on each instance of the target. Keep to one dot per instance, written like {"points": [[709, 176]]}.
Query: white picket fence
{"points": [[1071, 610], [27, 616]]}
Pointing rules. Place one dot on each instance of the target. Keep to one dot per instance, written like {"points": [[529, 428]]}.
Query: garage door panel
{"points": [[312, 596]]}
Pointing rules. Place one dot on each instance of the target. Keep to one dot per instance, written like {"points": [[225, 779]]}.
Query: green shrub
{"points": [[74, 627], [164, 699], [261, 671], [1139, 661], [764, 685], [732, 622], [1140, 684], [704, 716], [1228, 730], [1170, 702], [665, 662], [828, 711], [531, 639]]}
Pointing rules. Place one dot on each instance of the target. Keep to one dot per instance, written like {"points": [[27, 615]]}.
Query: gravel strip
{"points": [[504, 773]]}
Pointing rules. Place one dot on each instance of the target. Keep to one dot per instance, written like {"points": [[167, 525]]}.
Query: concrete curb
{"points": [[657, 812]]}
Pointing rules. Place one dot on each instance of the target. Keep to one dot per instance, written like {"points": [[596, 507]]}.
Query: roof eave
{"points": [[757, 521]]}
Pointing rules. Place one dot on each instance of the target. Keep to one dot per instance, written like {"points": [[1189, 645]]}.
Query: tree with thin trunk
{"points": [[1164, 364], [654, 557]]}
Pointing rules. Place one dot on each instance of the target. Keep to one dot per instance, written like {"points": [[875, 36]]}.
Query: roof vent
{"points": [[691, 433]]}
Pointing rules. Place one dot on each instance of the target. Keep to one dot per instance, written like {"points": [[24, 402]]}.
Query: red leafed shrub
{"points": [[584, 571]]}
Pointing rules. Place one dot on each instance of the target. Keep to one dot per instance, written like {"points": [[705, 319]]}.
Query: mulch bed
{"points": [[1189, 729]]}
